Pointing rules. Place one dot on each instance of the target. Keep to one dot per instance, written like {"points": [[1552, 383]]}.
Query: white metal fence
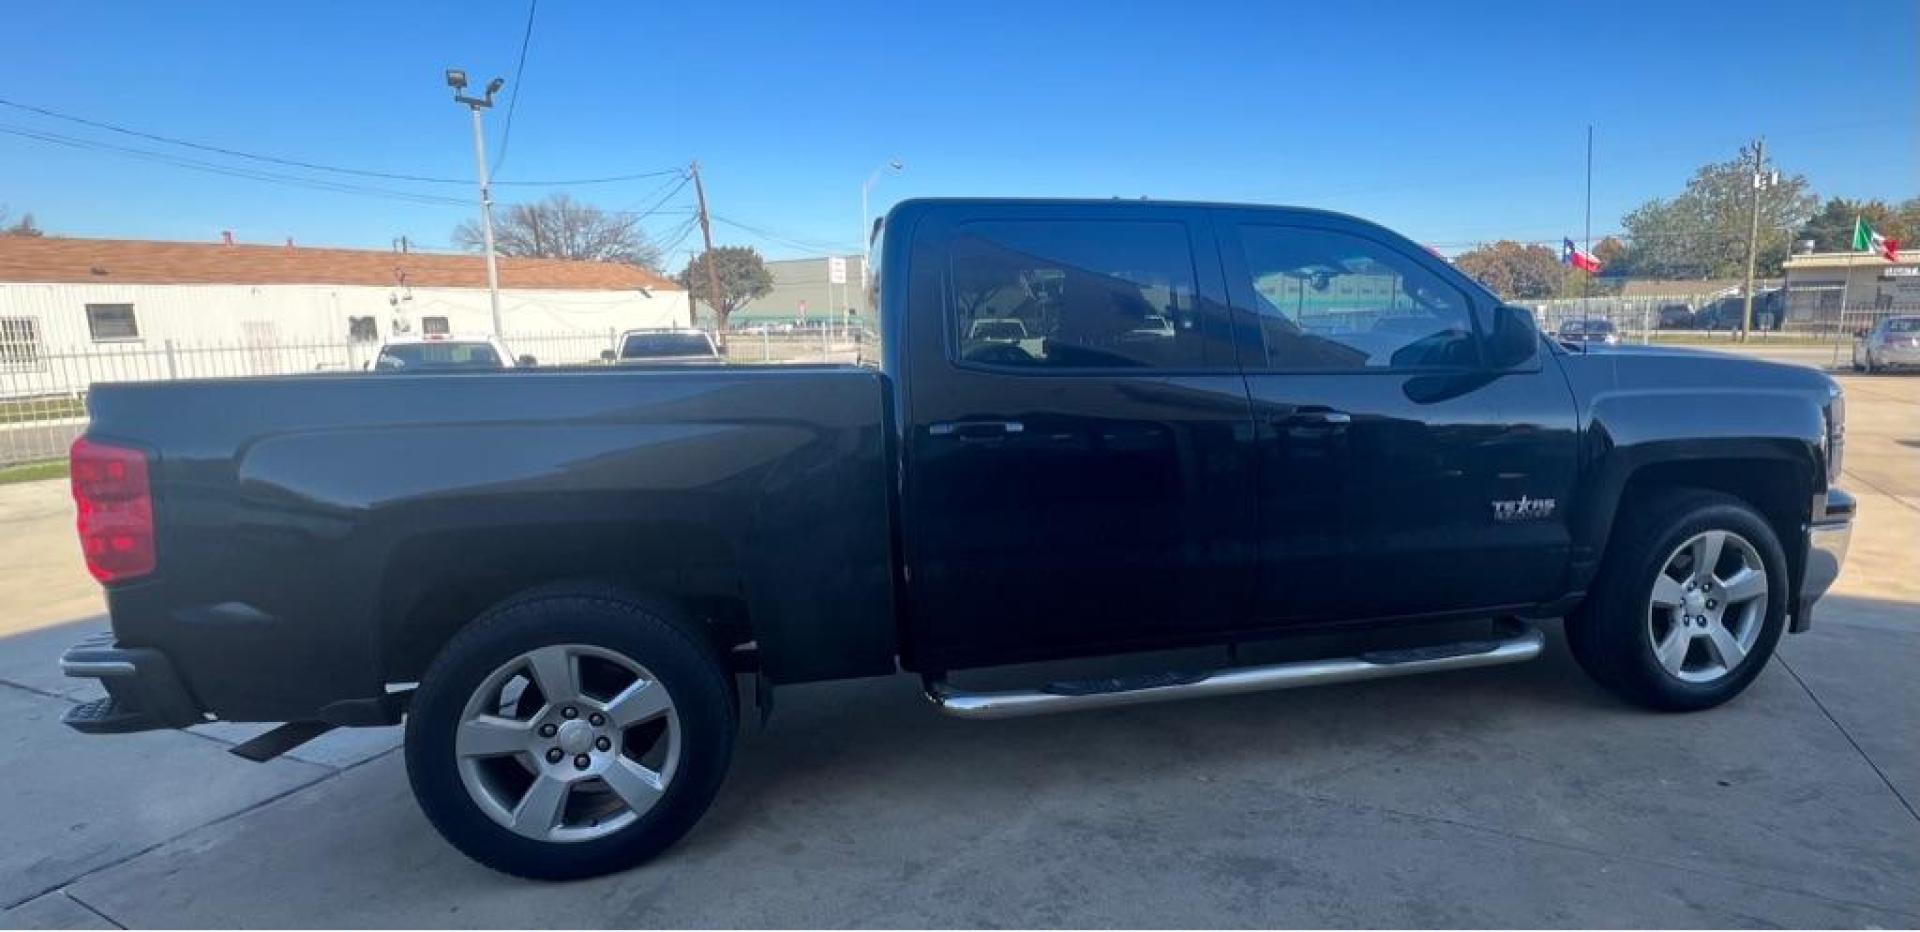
{"points": [[43, 390]]}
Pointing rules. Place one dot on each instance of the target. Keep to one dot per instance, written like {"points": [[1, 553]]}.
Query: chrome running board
{"points": [[1512, 645]]}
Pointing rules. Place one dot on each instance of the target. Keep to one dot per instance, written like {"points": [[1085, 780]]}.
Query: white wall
{"points": [[201, 330]]}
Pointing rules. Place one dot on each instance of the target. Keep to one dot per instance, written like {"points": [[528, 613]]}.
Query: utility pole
{"points": [[457, 79], [713, 275], [866, 224], [1753, 232]]}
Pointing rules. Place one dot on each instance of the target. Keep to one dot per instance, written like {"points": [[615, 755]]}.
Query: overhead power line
{"points": [[513, 102], [315, 166], [149, 155], [672, 240], [781, 238], [661, 202]]}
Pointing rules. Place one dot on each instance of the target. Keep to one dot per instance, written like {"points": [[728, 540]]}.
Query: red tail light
{"points": [[116, 510]]}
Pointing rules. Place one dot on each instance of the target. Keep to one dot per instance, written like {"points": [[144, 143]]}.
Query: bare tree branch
{"points": [[23, 227], [560, 227]]}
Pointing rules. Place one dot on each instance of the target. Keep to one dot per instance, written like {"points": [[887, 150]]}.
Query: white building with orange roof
{"points": [[73, 311]]}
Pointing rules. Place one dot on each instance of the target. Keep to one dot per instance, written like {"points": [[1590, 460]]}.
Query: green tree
{"points": [[1831, 229], [742, 275], [560, 227], [1909, 214], [1514, 271], [1610, 251], [1702, 232]]}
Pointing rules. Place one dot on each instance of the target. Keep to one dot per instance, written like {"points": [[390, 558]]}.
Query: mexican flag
{"points": [[1865, 240]]}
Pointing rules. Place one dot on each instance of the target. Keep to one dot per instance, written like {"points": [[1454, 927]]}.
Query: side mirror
{"points": [[606, 355], [527, 361], [1514, 339]]}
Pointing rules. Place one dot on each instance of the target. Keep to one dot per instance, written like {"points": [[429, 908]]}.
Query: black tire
{"points": [[675, 651], [1609, 633]]}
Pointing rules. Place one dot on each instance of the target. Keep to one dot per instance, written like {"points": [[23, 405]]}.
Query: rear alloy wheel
{"points": [[593, 750], [571, 731], [1689, 604]]}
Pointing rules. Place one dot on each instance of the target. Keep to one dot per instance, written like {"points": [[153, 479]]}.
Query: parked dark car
{"points": [[1292, 439], [1589, 330], [1675, 317], [1728, 313]]}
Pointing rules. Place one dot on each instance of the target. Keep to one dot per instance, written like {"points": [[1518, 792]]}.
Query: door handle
{"points": [[1313, 416], [975, 430]]}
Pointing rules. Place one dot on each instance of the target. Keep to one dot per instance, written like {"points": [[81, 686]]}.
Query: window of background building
{"points": [[19, 343], [363, 330], [107, 322]]}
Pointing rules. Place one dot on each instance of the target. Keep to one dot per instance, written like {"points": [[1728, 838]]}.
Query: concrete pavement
{"points": [[1508, 797], [1515, 796], [43, 580]]}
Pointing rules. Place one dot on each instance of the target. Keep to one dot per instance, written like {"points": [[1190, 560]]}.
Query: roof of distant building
{"points": [[1667, 287], [123, 261], [1836, 260]]}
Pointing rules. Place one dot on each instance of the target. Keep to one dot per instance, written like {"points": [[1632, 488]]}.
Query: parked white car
{"points": [[678, 346], [1891, 343], [443, 352]]}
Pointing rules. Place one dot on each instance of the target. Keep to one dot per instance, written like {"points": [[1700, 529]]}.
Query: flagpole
{"points": [[1846, 272], [1586, 277]]}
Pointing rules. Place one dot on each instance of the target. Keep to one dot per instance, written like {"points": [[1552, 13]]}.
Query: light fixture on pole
{"points": [[866, 225], [457, 79]]}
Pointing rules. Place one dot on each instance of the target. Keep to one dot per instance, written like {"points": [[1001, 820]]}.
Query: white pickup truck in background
{"points": [[439, 352]]}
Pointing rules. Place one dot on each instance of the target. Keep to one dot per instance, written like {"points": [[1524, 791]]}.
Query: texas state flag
{"points": [[1579, 259]]}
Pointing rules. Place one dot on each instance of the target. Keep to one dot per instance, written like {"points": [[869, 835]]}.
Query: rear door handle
{"points": [[975, 430]]}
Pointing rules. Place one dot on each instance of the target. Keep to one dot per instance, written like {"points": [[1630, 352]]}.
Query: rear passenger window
{"points": [[1066, 294], [1330, 301]]}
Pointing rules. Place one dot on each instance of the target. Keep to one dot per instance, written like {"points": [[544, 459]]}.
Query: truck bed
{"points": [[330, 530]]}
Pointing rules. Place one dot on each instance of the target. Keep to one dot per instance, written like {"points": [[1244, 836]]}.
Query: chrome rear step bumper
{"points": [[1512, 645]]}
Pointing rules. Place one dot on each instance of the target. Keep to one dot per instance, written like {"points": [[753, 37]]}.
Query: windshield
{"points": [[1589, 326], [657, 345], [1904, 325], [417, 356]]}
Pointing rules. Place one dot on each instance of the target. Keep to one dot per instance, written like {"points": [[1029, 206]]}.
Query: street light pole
{"points": [[457, 80], [866, 224], [1753, 233]]}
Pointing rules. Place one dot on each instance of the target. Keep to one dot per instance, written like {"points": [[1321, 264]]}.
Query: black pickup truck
{"points": [[1288, 440]]}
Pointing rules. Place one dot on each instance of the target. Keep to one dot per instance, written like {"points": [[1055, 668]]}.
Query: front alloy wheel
{"points": [[1708, 605], [1689, 603]]}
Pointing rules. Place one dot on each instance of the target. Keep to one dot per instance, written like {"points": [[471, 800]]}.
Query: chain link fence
{"points": [[1803, 316], [43, 390]]}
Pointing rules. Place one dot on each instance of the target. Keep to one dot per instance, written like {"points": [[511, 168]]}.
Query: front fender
{"points": [[1710, 418]]}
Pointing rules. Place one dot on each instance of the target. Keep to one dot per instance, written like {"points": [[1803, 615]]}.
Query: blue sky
{"points": [[1454, 123]]}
